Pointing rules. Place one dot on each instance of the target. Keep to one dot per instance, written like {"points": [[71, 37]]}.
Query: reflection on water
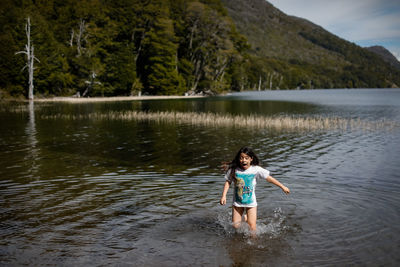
{"points": [[32, 155], [99, 192]]}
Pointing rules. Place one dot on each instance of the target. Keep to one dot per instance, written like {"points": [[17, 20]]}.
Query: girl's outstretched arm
{"points": [[224, 192], [272, 180]]}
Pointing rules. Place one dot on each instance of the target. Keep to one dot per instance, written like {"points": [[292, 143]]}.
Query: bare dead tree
{"points": [[270, 80], [30, 57], [280, 81], [79, 37], [139, 49], [71, 41], [90, 83]]}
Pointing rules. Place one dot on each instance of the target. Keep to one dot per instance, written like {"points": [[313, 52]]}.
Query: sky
{"points": [[363, 22]]}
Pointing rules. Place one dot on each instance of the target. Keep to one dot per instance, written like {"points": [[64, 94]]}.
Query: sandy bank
{"points": [[107, 99]]}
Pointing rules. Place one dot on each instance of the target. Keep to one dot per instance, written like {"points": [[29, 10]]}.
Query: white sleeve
{"points": [[262, 173], [228, 176]]}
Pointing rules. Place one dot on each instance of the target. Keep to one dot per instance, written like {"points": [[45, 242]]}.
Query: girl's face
{"points": [[245, 161]]}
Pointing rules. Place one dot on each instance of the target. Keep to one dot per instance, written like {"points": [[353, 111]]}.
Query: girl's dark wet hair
{"points": [[235, 163]]}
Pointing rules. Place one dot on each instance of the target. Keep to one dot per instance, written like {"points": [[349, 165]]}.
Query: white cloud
{"points": [[395, 53]]}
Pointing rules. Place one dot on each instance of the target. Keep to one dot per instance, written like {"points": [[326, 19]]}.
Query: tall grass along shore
{"points": [[239, 121], [111, 98]]}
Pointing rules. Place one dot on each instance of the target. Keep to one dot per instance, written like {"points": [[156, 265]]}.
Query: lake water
{"points": [[76, 191]]}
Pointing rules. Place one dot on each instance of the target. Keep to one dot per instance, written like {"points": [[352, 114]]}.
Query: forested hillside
{"points": [[173, 47], [298, 53], [120, 47], [385, 55]]}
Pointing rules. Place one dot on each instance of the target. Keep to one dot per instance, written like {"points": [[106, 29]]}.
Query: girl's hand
{"points": [[285, 189], [222, 201]]}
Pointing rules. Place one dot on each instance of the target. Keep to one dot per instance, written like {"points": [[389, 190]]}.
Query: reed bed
{"points": [[290, 123], [111, 98], [14, 108]]}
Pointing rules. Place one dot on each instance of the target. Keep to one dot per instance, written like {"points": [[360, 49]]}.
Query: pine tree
{"points": [[161, 59]]}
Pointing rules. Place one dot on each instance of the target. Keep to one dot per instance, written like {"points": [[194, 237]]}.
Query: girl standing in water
{"points": [[244, 172]]}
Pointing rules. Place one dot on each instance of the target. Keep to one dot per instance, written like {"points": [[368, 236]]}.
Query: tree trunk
{"points": [[71, 41], [30, 69], [193, 29], [79, 37], [197, 74], [29, 54], [140, 46], [270, 81], [30, 57], [91, 82]]}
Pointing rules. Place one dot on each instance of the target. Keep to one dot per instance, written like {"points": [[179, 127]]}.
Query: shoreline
{"points": [[111, 98]]}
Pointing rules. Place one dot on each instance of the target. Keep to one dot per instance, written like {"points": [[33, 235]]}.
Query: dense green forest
{"points": [[121, 47], [165, 47]]}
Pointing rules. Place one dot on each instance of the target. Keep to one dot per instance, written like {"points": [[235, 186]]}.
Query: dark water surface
{"points": [[81, 192]]}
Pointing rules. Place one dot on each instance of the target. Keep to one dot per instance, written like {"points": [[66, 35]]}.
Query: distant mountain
{"points": [[385, 54], [298, 50]]}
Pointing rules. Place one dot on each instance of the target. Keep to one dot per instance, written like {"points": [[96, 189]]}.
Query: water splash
{"points": [[270, 227]]}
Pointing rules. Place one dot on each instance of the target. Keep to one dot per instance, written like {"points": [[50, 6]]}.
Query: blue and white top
{"points": [[245, 185]]}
